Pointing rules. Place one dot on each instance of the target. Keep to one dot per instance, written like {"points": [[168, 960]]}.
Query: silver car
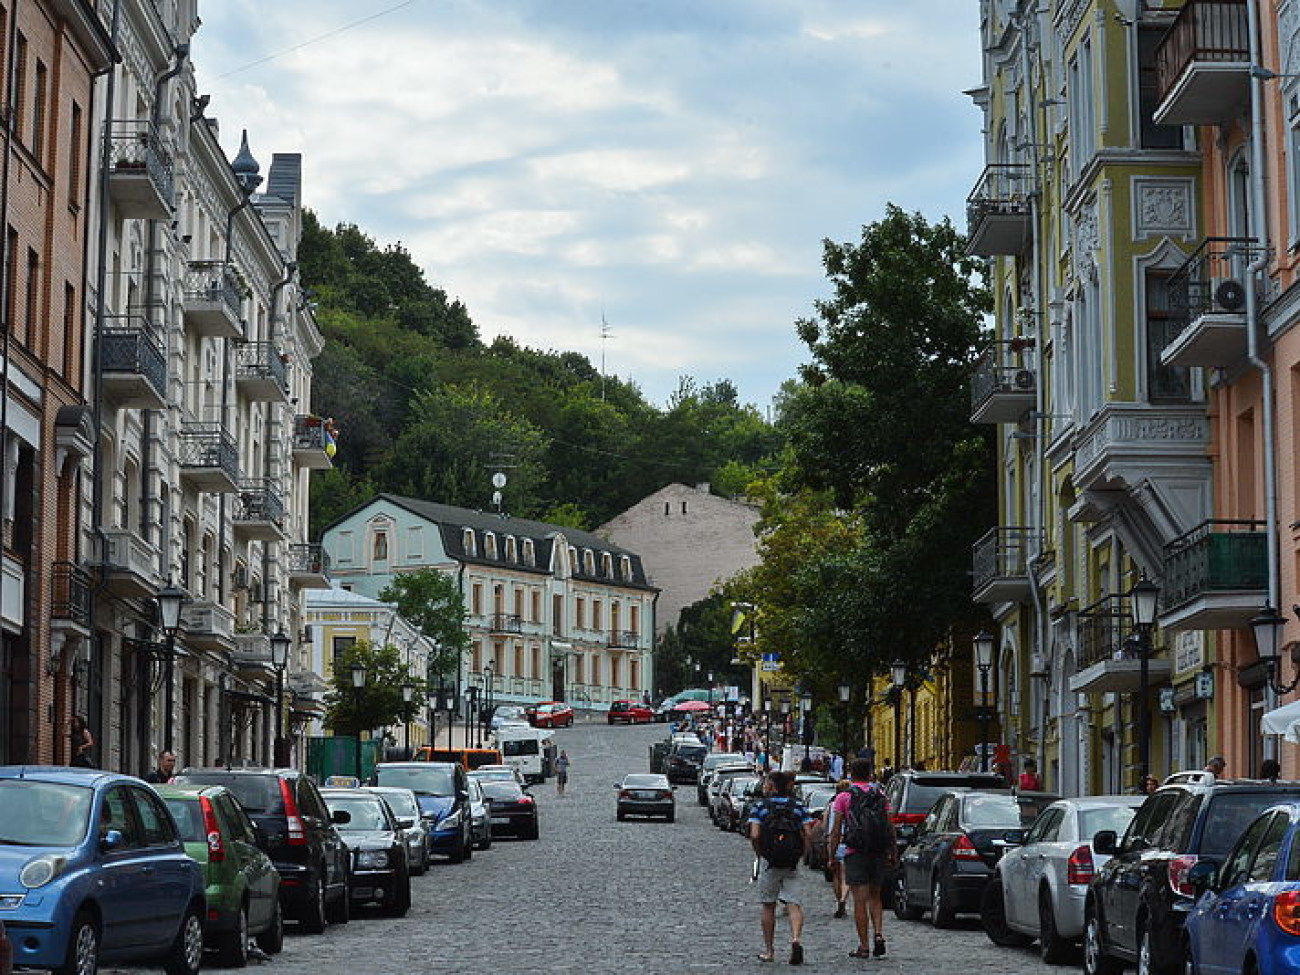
{"points": [[1039, 886], [406, 809], [480, 815]]}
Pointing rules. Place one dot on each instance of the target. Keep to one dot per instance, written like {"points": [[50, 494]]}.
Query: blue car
{"points": [[92, 869], [1247, 915], [442, 791]]}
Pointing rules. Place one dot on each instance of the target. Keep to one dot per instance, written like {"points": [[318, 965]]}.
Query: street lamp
{"points": [[358, 685], [984, 662], [1144, 595], [846, 691], [170, 598], [408, 695], [487, 701], [805, 711], [898, 675], [1268, 627], [710, 690], [279, 660], [785, 726]]}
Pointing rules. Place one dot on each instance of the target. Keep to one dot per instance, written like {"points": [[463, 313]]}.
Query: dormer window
{"points": [[588, 561], [607, 565], [512, 549], [573, 560], [625, 568], [490, 545], [530, 553], [469, 543]]}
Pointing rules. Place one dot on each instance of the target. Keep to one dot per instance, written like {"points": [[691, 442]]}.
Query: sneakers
{"points": [[879, 949], [796, 953]]}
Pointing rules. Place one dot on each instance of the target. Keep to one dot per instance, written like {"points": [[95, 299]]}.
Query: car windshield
{"points": [[367, 812], [401, 802], [992, 812], [43, 813], [519, 746], [258, 794], [819, 799], [693, 752], [645, 782], [1093, 821], [501, 790], [1229, 815], [431, 780], [493, 775]]}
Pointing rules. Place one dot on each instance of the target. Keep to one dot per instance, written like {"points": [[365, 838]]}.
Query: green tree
{"points": [[430, 601], [378, 704]]}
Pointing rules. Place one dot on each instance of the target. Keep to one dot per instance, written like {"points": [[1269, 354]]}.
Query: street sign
{"points": [[771, 662]]}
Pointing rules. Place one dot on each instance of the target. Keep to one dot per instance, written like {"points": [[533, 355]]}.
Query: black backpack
{"points": [[780, 834], [866, 827]]}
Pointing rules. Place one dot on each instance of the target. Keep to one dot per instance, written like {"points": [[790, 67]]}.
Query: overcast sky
{"points": [[670, 166]]}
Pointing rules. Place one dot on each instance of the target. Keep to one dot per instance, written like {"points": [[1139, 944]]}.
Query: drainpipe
{"points": [[1255, 278], [275, 413]]}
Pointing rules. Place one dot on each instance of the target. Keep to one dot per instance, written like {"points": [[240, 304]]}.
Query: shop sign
{"points": [[1189, 651]]}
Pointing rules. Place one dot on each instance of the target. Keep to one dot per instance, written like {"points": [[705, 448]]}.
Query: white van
{"points": [[525, 748]]}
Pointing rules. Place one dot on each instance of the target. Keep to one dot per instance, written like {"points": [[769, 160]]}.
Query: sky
{"points": [[669, 168]]}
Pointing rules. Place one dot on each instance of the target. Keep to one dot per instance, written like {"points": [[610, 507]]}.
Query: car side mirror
{"points": [[340, 817], [1014, 837], [1203, 876], [111, 840], [406, 822], [1106, 841]]}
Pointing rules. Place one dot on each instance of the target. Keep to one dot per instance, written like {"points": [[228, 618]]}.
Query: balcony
{"points": [[1107, 658], [1203, 64], [209, 626], [506, 624], [623, 640], [133, 363], [313, 443], [252, 654], [1127, 445], [1215, 576], [13, 590], [140, 177], [262, 372], [308, 566], [214, 298], [209, 458], [71, 603], [1001, 394], [1000, 565], [998, 211], [259, 511], [1207, 301], [131, 565]]}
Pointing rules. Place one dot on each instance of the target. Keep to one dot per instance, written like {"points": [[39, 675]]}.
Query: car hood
{"points": [[436, 806], [14, 858], [378, 839]]}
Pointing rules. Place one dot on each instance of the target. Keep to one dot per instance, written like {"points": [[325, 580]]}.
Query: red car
{"points": [[629, 712], [550, 714]]}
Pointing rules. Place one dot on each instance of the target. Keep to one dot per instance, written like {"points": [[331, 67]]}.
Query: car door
{"points": [[124, 897], [171, 873], [928, 847], [1038, 862], [1230, 914], [1125, 871], [253, 863], [316, 817], [916, 883], [1018, 869]]}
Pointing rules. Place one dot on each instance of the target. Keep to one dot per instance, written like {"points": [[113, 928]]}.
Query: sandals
{"points": [[860, 953], [879, 951], [768, 955]]}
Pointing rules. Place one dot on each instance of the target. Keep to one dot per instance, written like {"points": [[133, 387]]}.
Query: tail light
{"points": [[216, 843], [907, 819], [526, 800], [665, 794], [1180, 868], [964, 849], [297, 829], [624, 794], [1079, 868], [1286, 911]]}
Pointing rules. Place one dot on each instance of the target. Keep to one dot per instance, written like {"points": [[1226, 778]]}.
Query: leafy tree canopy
{"points": [[431, 602], [378, 704]]}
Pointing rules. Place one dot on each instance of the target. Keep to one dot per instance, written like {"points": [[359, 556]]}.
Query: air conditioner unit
{"points": [[241, 577], [1227, 294], [1025, 379]]}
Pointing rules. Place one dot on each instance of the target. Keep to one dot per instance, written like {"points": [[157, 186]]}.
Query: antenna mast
{"points": [[605, 334]]}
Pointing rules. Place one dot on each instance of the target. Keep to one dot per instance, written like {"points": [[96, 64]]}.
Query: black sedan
{"points": [[955, 850], [640, 794], [380, 870], [514, 812]]}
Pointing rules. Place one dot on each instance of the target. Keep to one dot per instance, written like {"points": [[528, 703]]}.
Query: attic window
{"points": [[625, 567], [588, 562], [530, 554], [468, 542], [573, 559], [490, 545], [512, 549], [607, 565]]}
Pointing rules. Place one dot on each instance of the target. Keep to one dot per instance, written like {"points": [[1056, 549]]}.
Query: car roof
{"points": [[66, 774], [421, 764]]}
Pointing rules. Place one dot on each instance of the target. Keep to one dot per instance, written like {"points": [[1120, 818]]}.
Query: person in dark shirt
{"points": [[779, 883], [165, 770]]}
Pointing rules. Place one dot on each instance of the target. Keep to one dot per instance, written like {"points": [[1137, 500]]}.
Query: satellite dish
{"points": [[496, 497], [498, 480]]}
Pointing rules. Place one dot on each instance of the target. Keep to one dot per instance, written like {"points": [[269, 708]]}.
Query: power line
{"points": [[319, 37]]}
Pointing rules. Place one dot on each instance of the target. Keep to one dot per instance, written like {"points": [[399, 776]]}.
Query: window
{"points": [[490, 545], [74, 157], [1270, 846], [467, 542], [380, 552], [530, 553], [1165, 384], [31, 298], [595, 669], [580, 613], [537, 662], [607, 565], [573, 560], [588, 562], [1235, 871], [1082, 101], [39, 97], [11, 276], [625, 568], [342, 647], [557, 615], [536, 616], [476, 599], [597, 615], [71, 345], [156, 825], [1293, 169], [18, 94], [634, 618], [519, 661], [512, 549], [1152, 136]]}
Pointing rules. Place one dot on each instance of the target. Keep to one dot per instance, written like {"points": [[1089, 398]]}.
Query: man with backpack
{"points": [[862, 824], [779, 830]]}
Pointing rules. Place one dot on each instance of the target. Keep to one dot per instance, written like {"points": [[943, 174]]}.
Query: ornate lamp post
{"points": [[408, 695], [1144, 595], [898, 674], [358, 686], [984, 662], [785, 725], [486, 710], [280, 643], [170, 598], [846, 691], [805, 717]]}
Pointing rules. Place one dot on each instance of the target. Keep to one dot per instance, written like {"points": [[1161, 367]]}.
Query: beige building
{"points": [[689, 540]]}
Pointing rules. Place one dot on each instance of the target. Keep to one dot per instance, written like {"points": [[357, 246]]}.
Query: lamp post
{"points": [[805, 712], [898, 674], [279, 660], [846, 691], [1268, 627], [358, 686], [1144, 595], [710, 693], [482, 714], [471, 700], [170, 598], [408, 695], [785, 726], [984, 662]]}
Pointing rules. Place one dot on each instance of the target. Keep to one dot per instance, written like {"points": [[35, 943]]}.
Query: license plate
{"points": [[362, 893], [499, 820], [644, 795]]}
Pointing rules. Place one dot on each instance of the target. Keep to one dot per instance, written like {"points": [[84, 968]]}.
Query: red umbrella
{"points": [[693, 706]]}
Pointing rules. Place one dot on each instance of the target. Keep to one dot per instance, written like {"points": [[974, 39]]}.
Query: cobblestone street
{"points": [[593, 894]]}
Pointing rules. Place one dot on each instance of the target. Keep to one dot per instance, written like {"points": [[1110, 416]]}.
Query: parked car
{"points": [[721, 775], [659, 756], [242, 886], [1136, 904], [684, 759], [731, 800], [406, 808], [480, 815], [380, 874], [629, 712], [712, 762], [507, 714], [1247, 914], [550, 714], [93, 870], [442, 790], [499, 773], [297, 835], [954, 851], [1039, 885], [642, 794], [514, 811]]}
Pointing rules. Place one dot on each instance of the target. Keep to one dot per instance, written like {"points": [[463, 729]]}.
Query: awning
{"points": [[1283, 721]]}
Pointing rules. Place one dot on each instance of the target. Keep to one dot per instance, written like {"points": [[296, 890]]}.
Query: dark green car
{"points": [[243, 886]]}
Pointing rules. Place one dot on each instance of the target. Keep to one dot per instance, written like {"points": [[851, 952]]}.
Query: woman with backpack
{"points": [[779, 829], [862, 825]]}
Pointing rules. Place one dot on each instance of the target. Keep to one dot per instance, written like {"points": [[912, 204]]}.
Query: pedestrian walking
{"points": [[81, 743], [561, 772], [1270, 769], [862, 825], [1149, 784], [837, 766], [835, 855], [779, 831], [1029, 780], [165, 770]]}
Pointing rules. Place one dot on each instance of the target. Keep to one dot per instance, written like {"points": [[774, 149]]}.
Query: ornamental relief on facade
{"points": [[1288, 23], [1163, 208], [1087, 242]]}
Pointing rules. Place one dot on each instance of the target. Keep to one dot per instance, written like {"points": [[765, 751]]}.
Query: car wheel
{"points": [[315, 919], [186, 954], [402, 902], [1148, 963], [671, 816], [993, 915], [467, 843], [621, 815], [1054, 949], [1095, 959], [1189, 963], [340, 912], [272, 939], [232, 946], [83, 947], [902, 909], [941, 913]]}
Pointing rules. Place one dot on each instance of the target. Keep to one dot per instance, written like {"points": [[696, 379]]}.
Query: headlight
{"points": [[451, 820], [372, 859], [39, 872]]}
